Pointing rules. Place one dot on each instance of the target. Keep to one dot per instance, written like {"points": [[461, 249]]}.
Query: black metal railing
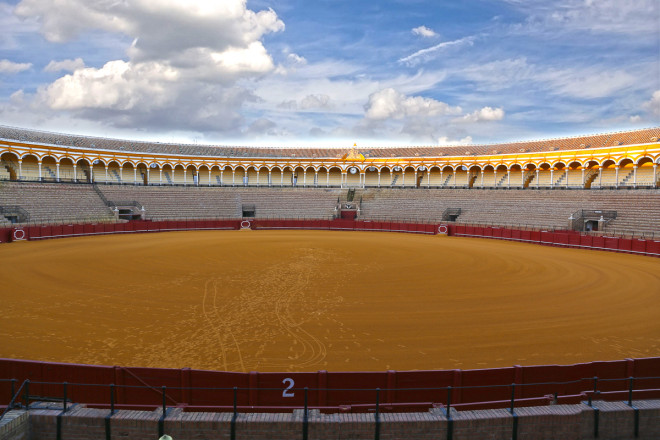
{"points": [[21, 398]]}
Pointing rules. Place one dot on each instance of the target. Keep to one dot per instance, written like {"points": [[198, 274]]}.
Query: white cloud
{"points": [[423, 31], [484, 114], [606, 16], [588, 83], [7, 66], [391, 104], [182, 67], [117, 85], [445, 140], [653, 105], [315, 102], [66, 65], [424, 55]]}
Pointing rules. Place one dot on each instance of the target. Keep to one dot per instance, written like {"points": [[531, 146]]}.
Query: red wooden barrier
{"points": [[611, 243], [625, 244], [560, 238], [598, 242], [638, 246], [33, 232], [343, 388], [653, 247]]}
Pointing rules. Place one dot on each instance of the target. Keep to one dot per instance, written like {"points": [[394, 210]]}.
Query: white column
{"points": [[508, 178], [363, 176], [281, 177], [121, 174], [209, 176], [582, 177], [567, 168], [40, 178], [327, 178], [635, 175], [185, 176], [233, 177], [600, 176], [655, 173], [552, 177], [91, 173], [482, 178], [270, 181], [616, 171], [75, 176], [415, 180], [20, 169], [106, 173], [379, 178], [495, 176], [305, 177], [403, 178], [160, 175], [222, 175], [316, 178], [442, 182], [148, 174], [134, 175]]}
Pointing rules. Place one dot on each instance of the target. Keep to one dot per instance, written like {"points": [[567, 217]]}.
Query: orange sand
{"points": [[309, 300]]}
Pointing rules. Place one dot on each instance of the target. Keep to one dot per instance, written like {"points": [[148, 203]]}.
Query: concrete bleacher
{"points": [[162, 202], [55, 202], [638, 210]]}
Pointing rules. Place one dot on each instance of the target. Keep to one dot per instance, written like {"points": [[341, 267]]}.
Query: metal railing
{"points": [[21, 398]]}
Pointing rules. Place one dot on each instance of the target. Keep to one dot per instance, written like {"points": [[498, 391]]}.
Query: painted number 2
{"points": [[286, 393]]}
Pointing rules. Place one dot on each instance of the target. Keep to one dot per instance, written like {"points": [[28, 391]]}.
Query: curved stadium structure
{"points": [[564, 192], [426, 183]]}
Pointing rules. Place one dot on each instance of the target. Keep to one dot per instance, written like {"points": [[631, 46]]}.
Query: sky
{"points": [[330, 73]]}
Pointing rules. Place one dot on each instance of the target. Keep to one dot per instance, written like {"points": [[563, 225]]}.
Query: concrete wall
{"points": [[568, 422], [14, 426]]}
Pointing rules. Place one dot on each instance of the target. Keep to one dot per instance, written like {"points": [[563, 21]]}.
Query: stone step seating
{"points": [[55, 202], [162, 202]]}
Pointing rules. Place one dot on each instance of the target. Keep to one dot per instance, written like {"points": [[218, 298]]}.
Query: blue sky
{"points": [[330, 72]]}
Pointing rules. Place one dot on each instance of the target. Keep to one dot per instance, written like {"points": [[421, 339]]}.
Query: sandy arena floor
{"points": [[309, 300]]}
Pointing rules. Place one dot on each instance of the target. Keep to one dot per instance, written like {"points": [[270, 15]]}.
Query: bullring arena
{"points": [[338, 271], [324, 300]]}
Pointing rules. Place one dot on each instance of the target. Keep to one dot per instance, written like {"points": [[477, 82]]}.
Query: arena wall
{"points": [[604, 420], [563, 238]]}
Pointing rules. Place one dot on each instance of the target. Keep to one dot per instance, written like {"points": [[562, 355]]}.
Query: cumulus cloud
{"points": [[653, 105], [183, 51], [423, 31], [7, 66], [391, 104], [484, 114], [315, 102], [66, 65]]}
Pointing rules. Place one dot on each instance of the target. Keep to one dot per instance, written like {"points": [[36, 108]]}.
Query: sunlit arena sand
{"points": [[311, 300]]}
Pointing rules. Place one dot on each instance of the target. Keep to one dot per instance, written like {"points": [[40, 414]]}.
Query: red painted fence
{"points": [[571, 239], [347, 391], [62, 231]]}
